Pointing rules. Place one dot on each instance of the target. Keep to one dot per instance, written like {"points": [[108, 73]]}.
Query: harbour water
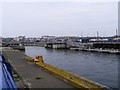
{"points": [[99, 67]]}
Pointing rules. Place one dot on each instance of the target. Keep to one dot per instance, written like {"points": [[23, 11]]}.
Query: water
{"points": [[99, 67]]}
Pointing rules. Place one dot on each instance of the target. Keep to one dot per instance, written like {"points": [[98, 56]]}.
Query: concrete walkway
{"points": [[34, 76]]}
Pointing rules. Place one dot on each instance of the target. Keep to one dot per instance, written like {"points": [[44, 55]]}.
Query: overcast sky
{"points": [[59, 18]]}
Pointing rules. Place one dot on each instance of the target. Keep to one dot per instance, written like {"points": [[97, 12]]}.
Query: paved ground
{"points": [[35, 76]]}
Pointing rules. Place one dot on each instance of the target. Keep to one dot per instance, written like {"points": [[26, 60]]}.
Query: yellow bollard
{"points": [[38, 59]]}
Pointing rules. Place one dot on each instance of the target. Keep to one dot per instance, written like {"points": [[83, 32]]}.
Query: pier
{"points": [[32, 75], [111, 51], [42, 75]]}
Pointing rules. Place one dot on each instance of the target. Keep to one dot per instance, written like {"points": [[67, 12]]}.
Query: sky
{"points": [[61, 18]]}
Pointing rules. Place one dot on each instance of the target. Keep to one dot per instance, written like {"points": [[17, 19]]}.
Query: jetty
{"points": [[112, 51], [32, 75], [37, 74]]}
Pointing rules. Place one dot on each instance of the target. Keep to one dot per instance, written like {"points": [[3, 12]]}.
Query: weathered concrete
{"points": [[34, 76]]}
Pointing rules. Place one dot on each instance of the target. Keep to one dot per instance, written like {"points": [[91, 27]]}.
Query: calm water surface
{"points": [[99, 67]]}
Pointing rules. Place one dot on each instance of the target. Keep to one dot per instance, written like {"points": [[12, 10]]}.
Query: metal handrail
{"points": [[7, 80]]}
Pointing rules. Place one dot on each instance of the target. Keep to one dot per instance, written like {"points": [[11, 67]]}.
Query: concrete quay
{"points": [[98, 50], [32, 75]]}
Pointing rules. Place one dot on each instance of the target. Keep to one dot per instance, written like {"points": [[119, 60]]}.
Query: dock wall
{"points": [[79, 82]]}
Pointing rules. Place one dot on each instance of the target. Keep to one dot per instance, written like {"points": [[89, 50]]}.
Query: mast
{"points": [[97, 34]]}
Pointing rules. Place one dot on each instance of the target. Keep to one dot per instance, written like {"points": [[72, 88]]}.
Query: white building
{"points": [[16, 39], [48, 37]]}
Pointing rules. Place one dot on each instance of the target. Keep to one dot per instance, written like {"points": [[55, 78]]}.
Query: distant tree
{"points": [[7, 39]]}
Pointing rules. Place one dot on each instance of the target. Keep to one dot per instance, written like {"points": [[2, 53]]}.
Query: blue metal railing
{"points": [[6, 75]]}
